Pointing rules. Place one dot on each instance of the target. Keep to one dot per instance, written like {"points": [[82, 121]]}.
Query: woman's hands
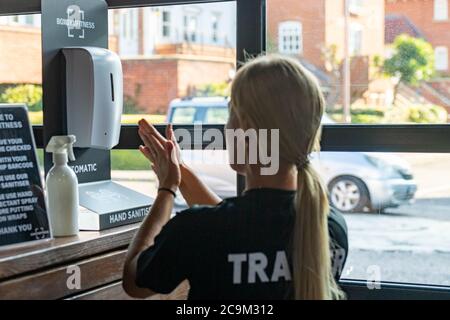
{"points": [[172, 173], [163, 153]]}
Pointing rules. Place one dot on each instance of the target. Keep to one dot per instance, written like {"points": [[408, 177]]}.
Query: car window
{"points": [[183, 115], [216, 115]]}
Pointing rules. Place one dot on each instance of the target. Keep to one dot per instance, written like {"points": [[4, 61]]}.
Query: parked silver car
{"points": [[357, 181]]}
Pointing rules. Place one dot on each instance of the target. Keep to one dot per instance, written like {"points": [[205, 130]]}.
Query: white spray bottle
{"points": [[62, 188]]}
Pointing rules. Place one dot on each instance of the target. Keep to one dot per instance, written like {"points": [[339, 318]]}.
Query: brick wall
{"points": [[193, 73], [323, 25], [151, 83], [370, 19], [421, 13], [311, 13], [20, 55]]}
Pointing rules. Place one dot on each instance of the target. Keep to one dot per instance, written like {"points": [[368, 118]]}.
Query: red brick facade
{"points": [[20, 55], [421, 13], [323, 26], [152, 83], [311, 13]]}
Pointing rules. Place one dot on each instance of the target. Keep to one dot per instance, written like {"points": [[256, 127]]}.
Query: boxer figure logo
{"points": [[75, 22], [74, 17]]}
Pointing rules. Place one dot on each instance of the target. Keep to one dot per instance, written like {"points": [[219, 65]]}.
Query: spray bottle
{"points": [[62, 188]]}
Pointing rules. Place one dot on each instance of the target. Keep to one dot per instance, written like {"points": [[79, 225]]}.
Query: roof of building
{"points": [[322, 76], [397, 24]]}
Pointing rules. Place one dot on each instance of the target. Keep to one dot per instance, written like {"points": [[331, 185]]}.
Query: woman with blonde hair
{"points": [[279, 239]]}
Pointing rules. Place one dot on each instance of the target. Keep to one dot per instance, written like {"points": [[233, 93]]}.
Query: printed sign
{"points": [[23, 216]]}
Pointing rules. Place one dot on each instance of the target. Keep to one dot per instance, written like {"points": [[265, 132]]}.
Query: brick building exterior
{"points": [[320, 29], [20, 55], [152, 82], [322, 25], [430, 19], [163, 58]]}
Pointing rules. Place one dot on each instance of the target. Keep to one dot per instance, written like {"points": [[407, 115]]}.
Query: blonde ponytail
{"points": [[312, 273]]}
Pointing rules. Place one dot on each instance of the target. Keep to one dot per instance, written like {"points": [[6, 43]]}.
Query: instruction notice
{"points": [[23, 216]]}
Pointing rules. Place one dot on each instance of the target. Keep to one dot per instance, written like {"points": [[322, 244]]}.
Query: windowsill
{"points": [[441, 21]]}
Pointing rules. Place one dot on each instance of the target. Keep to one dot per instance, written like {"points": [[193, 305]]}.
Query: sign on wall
{"points": [[23, 217]]}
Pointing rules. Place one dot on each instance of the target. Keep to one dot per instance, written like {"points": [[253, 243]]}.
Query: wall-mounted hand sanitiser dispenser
{"points": [[94, 92]]}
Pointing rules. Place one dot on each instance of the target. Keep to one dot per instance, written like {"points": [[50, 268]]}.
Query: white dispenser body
{"points": [[94, 92], [62, 200]]}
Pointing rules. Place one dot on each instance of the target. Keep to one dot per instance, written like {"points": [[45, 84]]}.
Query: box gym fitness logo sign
{"points": [[75, 22]]}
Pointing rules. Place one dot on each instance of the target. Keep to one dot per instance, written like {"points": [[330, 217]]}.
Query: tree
{"points": [[29, 94], [412, 61], [220, 89]]}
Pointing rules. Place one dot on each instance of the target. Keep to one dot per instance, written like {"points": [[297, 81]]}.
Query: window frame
{"points": [[290, 24], [251, 39], [439, 7], [356, 7], [166, 28], [355, 36], [190, 34], [215, 27], [444, 51]]}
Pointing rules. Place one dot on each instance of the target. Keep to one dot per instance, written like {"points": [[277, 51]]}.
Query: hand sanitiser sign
{"points": [[23, 216]]}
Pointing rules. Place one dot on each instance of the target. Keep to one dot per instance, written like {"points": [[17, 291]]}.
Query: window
{"points": [[355, 39], [441, 58], [32, 20], [394, 235], [215, 27], [290, 38], [166, 24], [356, 6], [216, 115], [404, 237], [184, 115], [440, 10], [190, 22], [29, 20], [128, 36]]}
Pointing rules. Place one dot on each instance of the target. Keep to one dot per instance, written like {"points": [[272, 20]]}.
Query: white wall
{"points": [[199, 18]]}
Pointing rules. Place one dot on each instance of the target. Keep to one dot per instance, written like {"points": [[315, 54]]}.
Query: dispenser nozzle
{"points": [[62, 144]]}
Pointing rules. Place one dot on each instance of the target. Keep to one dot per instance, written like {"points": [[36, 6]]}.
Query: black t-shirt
{"points": [[238, 249]]}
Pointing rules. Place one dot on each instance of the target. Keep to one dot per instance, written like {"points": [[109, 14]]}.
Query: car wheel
{"points": [[349, 194]]}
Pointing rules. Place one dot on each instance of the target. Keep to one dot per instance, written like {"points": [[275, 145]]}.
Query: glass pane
{"points": [[177, 68], [172, 55], [20, 63], [183, 115], [378, 62], [216, 115], [397, 210]]}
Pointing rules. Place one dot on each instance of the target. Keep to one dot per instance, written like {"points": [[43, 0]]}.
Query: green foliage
{"points": [[413, 60], [29, 94], [130, 106], [221, 89], [425, 113], [128, 160]]}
